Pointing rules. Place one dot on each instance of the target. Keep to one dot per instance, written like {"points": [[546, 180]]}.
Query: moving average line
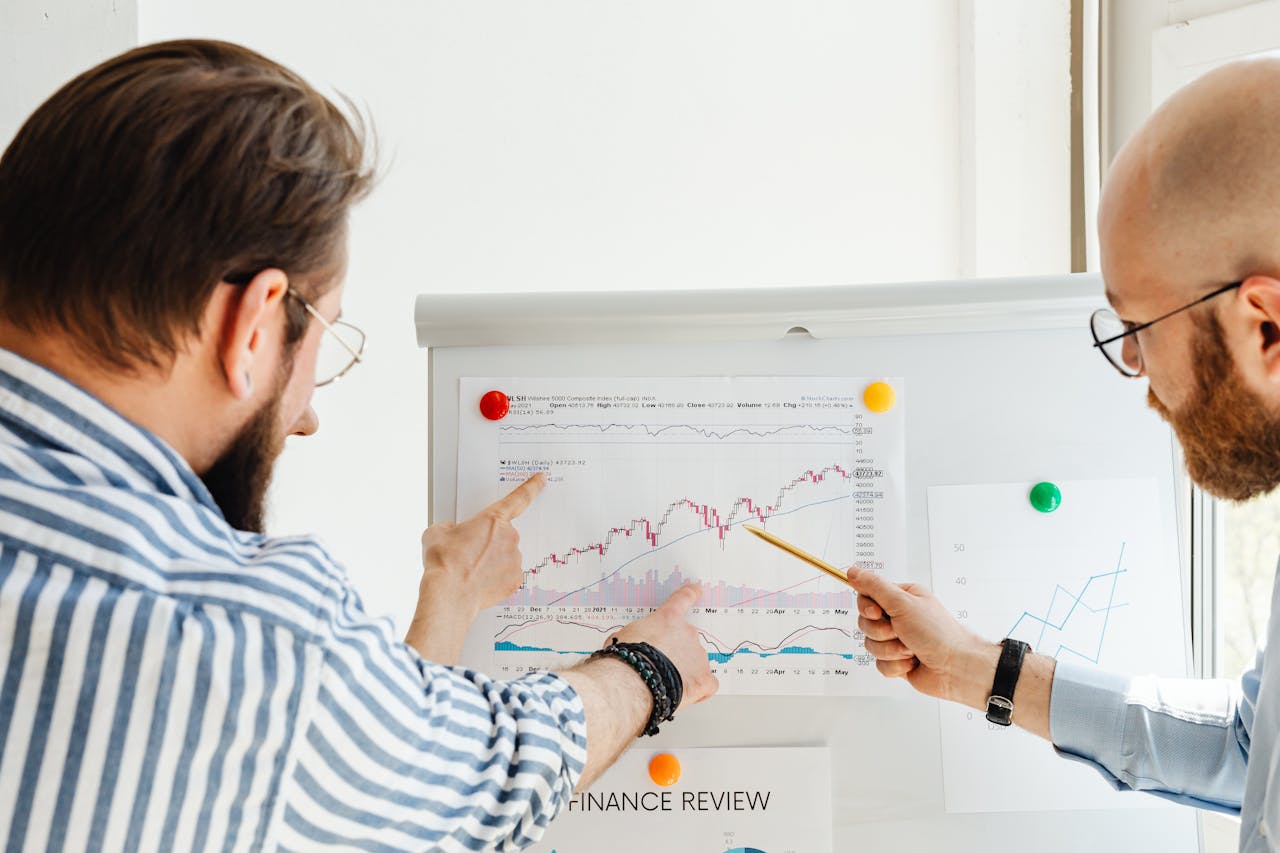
{"points": [[650, 553]]}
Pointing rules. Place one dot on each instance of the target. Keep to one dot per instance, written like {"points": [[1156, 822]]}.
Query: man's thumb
{"points": [[893, 599]]}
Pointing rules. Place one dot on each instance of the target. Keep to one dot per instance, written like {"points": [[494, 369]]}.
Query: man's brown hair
{"points": [[138, 186]]}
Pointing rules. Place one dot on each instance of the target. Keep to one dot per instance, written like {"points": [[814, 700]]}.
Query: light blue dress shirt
{"points": [[1205, 743]]}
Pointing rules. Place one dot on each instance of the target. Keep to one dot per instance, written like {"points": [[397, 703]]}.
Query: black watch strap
{"points": [[1000, 703]]}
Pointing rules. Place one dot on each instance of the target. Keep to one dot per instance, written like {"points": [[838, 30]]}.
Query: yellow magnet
{"points": [[664, 769], [879, 396]]}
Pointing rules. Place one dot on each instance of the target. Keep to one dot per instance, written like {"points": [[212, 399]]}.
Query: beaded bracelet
{"points": [[659, 675], [666, 670]]}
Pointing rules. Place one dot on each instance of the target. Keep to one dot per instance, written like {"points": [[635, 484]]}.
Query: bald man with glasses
{"points": [[1189, 224]]}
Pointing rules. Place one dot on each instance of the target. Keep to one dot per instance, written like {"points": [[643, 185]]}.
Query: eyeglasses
{"points": [[341, 349], [1118, 339]]}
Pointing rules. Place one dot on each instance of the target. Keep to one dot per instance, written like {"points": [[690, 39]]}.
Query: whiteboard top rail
{"points": [[710, 316]]}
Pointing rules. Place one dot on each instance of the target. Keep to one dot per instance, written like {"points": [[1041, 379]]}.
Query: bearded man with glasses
{"points": [[1189, 224], [173, 245]]}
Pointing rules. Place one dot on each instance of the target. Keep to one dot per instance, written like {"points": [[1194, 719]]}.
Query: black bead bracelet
{"points": [[659, 675]]}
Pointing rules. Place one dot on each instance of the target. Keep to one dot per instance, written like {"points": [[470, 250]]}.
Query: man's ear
{"points": [[250, 331]]}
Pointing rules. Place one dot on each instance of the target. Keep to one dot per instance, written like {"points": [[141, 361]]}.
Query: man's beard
{"points": [[1230, 438], [239, 478]]}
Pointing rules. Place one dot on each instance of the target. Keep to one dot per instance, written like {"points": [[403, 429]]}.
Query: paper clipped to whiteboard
{"points": [[650, 481], [755, 800], [1094, 582]]}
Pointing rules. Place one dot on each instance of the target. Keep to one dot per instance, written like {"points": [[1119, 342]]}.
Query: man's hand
{"points": [[913, 636], [617, 702], [467, 567], [921, 641], [668, 630]]}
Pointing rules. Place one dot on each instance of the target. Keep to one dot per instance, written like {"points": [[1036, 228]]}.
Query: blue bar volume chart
{"points": [[649, 484], [1093, 583]]}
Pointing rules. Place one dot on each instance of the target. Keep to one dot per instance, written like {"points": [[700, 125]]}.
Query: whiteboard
{"points": [[1004, 387]]}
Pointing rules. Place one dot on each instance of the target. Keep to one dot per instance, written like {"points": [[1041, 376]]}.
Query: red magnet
{"points": [[495, 405]]}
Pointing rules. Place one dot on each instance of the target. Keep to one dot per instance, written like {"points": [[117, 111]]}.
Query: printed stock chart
{"points": [[649, 484]]}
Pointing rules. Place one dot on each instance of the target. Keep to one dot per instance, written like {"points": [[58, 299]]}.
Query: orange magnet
{"points": [[879, 397], [664, 769]]}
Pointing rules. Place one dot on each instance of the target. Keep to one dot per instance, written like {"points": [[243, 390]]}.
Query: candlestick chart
{"points": [[648, 490]]}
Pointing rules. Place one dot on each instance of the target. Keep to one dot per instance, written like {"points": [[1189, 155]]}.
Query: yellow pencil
{"points": [[792, 549]]}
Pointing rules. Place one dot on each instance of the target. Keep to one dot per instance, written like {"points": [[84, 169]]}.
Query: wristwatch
{"points": [[1000, 702]]}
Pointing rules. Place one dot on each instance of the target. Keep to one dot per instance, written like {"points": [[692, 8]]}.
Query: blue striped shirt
{"points": [[167, 682]]}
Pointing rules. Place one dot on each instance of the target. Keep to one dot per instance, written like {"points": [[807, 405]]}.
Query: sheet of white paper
{"points": [[766, 800], [1096, 581], [650, 481]]}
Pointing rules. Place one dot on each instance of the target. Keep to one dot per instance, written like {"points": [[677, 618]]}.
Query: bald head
{"points": [[1193, 199], [1192, 204]]}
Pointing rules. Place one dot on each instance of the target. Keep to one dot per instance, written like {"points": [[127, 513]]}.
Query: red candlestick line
{"points": [[709, 517]]}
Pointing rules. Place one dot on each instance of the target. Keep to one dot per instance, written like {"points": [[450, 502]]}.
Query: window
{"points": [[1251, 544]]}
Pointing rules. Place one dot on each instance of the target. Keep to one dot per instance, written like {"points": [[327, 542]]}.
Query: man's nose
{"points": [[307, 423]]}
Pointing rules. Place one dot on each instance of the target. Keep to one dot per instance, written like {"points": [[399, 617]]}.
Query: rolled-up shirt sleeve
{"points": [[403, 754], [1183, 739]]}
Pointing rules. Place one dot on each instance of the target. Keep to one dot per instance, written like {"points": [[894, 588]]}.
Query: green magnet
{"points": [[1045, 497]]}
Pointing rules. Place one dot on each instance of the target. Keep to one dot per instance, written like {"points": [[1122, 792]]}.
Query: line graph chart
{"points": [[1048, 632], [709, 517], [808, 640], [653, 433], [1094, 583], [649, 484]]}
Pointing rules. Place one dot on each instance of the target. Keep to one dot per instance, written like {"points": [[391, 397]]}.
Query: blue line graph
{"points": [[1077, 612]]}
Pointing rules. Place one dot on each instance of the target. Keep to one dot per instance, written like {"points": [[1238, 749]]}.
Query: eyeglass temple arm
{"points": [[1139, 328], [329, 328]]}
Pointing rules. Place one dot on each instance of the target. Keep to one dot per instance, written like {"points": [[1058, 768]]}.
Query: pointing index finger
{"points": [[518, 500], [684, 598]]}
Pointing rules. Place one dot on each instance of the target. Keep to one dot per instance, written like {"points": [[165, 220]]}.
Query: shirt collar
{"points": [[41, 409]]}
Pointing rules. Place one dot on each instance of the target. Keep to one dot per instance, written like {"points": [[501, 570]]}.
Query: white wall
{"points": [[1015, 137], [1130, 26], [44, 43], [589, 144], [584, 144]]}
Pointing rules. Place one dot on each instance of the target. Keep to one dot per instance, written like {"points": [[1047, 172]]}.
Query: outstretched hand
{"points": [[477, 561], [913, 636], [466, 567], [668, 630]]}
